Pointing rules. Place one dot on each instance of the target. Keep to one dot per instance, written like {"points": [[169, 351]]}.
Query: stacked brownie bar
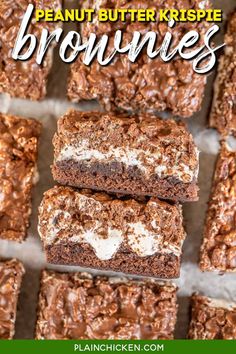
{"points": [[140, 159], [143, 155], [147, 84], [77, 306], [223, 114], [99, 231], [18, 174], [23, 79], [11, 273]]}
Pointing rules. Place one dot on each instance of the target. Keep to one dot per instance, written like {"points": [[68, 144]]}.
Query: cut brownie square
{"points": [[18, 174], [11, 273], [223, 114], [147, 84], [141, 155], [78, 306], [23, 79], [218, 251], [95, 230], [212, 319]]}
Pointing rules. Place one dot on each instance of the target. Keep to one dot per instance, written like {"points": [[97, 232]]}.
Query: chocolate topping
{"points": [[212, 319], [23, 79], [218, 251], [77, 306], [18, 155], [223, 114], [11, 273], [147, 84]]}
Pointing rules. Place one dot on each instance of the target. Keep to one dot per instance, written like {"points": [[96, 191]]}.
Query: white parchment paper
{"points": [[30, 252]]}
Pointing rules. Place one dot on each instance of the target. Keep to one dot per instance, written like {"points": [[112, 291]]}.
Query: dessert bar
{"points": [[23, 79], [212, 319], [18, 174], [218, 251], [11, 273], [141, 155], [147, 84], [95, 230], [223, 114], [77, 306]]}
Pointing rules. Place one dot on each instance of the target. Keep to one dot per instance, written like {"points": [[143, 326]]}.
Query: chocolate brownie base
{"points": [[99, 231], [218, 251], [165, 266], [125, 181], [212, 319], [23, 79], [146, 85], [11, 273], [141, 155], [79, 306], [18, 174], [223, 114]]}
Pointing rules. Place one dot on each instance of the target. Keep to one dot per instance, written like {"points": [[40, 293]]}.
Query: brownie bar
{"points": [[147, 84], [23, 79], [218, 251], [11, 273], [140, 155], [212, 319], [223, 114], [18, 174], [95, 230], [78, 306]]}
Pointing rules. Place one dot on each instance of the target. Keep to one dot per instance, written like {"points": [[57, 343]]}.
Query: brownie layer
{"points": [[212, 319], [218, 251], [147, 84], [127, 182], [77, 306], [18, 174], [223, 114], [11, 273], [23, 79], [140, 155], [98, 231], [165, 266]]}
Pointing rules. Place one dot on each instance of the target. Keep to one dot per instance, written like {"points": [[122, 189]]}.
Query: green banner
{"points": [[90, 346]]}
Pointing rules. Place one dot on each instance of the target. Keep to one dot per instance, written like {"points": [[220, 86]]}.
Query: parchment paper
{"points": [[30, 252]]}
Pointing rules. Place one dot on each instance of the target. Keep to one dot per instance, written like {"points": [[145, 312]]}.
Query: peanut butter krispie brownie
{"points": [[218, 251], [223, 114], [147, 84], [212, 319], [141, 155], [98, 231], [18, 174], [23, 79], [77, 306], [11, 273]]}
